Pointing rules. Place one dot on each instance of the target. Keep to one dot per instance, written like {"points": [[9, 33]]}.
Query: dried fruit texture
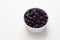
{"points": [[35, 18]]}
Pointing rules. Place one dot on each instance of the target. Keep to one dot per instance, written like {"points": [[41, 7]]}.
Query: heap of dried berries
{"points": [[35, 18]]}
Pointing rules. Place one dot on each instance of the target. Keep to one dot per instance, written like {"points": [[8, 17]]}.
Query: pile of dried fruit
{"points": [[35, 18]]}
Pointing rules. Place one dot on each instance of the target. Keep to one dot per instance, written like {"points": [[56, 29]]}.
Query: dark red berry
{"points": [[35, 26]]}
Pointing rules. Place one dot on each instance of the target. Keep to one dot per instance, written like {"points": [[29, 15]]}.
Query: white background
{"points": [[12, 24]]}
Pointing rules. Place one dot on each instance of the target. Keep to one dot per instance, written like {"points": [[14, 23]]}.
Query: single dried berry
{"points": [[35, 18]]}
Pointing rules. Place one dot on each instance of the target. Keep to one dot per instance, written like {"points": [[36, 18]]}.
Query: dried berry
{"points": [[35, 18]]}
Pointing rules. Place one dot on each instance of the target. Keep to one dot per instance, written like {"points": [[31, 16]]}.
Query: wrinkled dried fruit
{"points": [[35, 18]]}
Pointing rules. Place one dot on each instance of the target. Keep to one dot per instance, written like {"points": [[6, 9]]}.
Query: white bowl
{"points": [[36, 30]]}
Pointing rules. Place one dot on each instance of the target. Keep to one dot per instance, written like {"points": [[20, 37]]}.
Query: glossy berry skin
{"points": [[35, 17]]}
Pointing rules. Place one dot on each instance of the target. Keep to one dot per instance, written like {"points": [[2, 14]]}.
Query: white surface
{"points": [[12, 25]]}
